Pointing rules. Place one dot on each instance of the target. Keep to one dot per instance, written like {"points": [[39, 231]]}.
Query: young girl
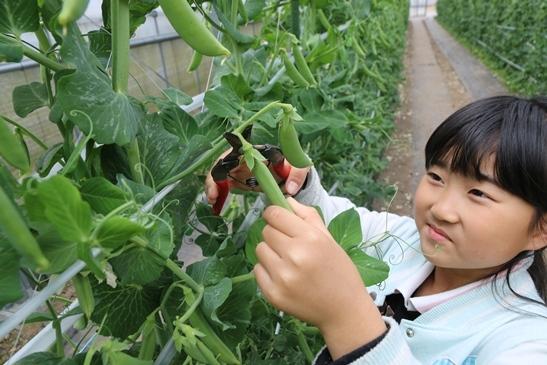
{"points": [[467, 278]]}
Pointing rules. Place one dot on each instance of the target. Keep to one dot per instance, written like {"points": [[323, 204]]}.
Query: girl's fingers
{"points": [[276, 240], [308, 214], [211, 190], [263, 279], [268, 258], [283, 220], [296, 179]]}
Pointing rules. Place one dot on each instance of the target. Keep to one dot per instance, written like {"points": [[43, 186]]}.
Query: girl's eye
{"points": [[478, 193], [434, 176]]}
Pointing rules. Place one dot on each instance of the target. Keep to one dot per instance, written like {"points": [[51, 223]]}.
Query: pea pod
{"points": [[323, 19], [292, 72], [195, 61], [262, 173], [12, 149], [84, 293], [18, 234], [148, 344], [302, 65], [191, 29], [289, 143], [71, 11]]}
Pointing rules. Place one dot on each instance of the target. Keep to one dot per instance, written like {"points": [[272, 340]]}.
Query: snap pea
{"points": [[12, 149], [71, 11], [292, 72], [191, 29], [289, 143], [84, 293], [148, 344], [302, 65], [18, 234], [195, 61]]}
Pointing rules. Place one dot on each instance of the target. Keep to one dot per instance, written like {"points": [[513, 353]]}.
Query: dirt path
{"points": [[432, 91]]}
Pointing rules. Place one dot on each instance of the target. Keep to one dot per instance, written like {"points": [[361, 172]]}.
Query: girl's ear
{"points": [[538, 240]]}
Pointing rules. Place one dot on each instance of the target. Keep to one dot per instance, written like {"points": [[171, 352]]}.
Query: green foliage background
{"points": [[509, 36]]}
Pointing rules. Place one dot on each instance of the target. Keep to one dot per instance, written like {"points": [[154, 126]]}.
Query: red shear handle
{"points": [[223, 190], [282, 170]]}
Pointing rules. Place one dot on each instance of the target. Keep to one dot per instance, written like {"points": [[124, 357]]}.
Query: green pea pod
{"points": [[195, 62], [302, 65], [12, 149], [191, 29], [323, 19], [290, 145], [292, 72], [18, 234], [71, 11], [148, 344], [84, 293], [210, 338]]}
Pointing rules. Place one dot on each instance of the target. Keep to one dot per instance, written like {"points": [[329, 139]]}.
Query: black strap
{"points": [[394, 306]]}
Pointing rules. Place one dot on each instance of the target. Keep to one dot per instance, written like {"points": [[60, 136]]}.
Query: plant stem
{"points": [[58, 332], [222, 144], [44, 71], [26, 132], [243, 278], [37, 56], [181, 274], [303, 344], [120, 72], [120, 45]]}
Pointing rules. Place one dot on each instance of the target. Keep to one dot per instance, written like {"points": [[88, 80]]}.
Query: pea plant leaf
{"points": [[138, 265], [19, 16], [223, 102], [116, 230], [10, 287], [28, 98], [86, 96], [213, 297], [11, 50], [254, 237], [372, 270], [177, 96], [65, 209], [46, 358], [102, 195], [345, 228], [60, 253], [123, 308], [207, 272], [177, 122]]}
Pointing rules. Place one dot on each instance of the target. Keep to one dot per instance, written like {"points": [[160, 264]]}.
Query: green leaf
{"points": [[28, 98], [231, 29], [65, 209], [124, 308], [317, 121], [10, 287], [372, 270], [207, 272], [60, 253], [120, 358], [178, 97], [116, 230], [345, 228], [11, 50], [182, 200], [19, 16], [138, 265], [179, 123], [39, 317], [139, 192], [212, 222], [254, 237], [49, 158], [100, 44], [86, 96], [213, 297], [223, 102], [209, 243], [11, 148], [254, 8], [102, 195]]}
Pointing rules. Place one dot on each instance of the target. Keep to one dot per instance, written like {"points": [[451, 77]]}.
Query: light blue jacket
{"points": [[476, 327]]}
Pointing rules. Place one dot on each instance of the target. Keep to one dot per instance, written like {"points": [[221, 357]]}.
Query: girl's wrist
{"points": [[355, 328]]}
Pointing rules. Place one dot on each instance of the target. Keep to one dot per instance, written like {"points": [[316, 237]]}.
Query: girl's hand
{"points": [[294, 182], [301, 270]]}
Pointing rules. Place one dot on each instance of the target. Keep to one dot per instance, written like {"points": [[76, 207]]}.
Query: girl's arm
{"points": [[301, 270]]}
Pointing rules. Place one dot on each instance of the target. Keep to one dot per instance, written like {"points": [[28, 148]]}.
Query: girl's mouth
{"points": [[436, 233]]}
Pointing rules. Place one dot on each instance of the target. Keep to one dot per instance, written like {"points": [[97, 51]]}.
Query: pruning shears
{"points": [[221, 170]]}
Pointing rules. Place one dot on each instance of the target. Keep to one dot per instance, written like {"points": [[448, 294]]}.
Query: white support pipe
{"points": [[46, 337]]}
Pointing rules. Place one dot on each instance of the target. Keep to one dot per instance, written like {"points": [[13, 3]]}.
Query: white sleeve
{"points": [[525, 353], [376, 226]]}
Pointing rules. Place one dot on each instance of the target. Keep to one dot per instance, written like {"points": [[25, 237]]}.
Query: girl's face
{"points": [[465, 223]]}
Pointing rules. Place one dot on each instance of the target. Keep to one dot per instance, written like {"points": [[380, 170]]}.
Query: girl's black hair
{"points": [[514, 131]]}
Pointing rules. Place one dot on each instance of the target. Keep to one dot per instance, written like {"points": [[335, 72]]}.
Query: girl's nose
{"points": [[445, 208]]}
